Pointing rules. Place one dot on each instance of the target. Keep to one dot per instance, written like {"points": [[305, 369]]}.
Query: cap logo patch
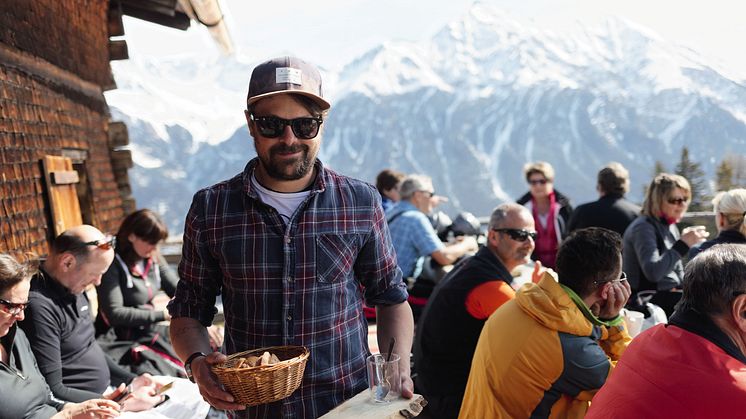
{"points": [[288, 75]]}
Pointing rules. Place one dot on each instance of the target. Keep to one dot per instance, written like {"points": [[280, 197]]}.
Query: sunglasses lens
{"points": [[305, 128], [270, 127]]}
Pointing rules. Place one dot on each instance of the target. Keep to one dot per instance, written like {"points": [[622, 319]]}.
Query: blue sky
{"points": [[333, 32]]}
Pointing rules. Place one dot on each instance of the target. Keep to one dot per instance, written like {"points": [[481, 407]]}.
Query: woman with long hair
{"points": [[653, 245], [127, 292]]}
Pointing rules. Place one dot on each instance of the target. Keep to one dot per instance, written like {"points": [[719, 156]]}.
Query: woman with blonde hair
{"points": [[653, 245], [23, 391], [730, 217]]}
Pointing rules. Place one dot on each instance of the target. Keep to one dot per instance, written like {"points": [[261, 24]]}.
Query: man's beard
{"points": [[286, 169]]}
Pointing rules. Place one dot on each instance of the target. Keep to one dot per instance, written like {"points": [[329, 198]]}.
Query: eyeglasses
{"points": [[428, 193], [516, 234], [622, 278], [677, 201], [106, 244], [13, 309], [537, 181], [306, 128]]}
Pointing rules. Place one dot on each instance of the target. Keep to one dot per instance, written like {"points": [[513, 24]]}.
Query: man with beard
{"points": [[292, 247], [449, 329]]}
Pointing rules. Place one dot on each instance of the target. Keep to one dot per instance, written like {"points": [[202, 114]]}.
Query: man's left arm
{"points": [[377, 270], [396, 321]]}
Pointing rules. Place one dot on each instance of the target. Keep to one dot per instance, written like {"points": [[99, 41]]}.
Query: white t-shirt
{"points": [[284, 203]]}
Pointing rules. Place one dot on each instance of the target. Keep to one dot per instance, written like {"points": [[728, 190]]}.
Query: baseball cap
{"points": [[286, 75]]}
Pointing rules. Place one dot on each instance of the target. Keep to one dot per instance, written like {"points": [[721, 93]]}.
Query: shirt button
{"points": [[290, 279], [290, 318], [288, 240]]}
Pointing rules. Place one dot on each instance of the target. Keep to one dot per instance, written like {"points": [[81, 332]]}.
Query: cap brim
{"points": [[319, 101]]}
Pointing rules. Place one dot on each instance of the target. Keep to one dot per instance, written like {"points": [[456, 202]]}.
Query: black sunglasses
{"points": [[13, 309], [677, 201], [106, 244], [516, 234], [306, 128], [538, 181]]}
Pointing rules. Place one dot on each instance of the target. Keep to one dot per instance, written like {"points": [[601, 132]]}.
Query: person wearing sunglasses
{"points": [[414, 238], [730, 219], [551, 211], [59, 323], [449, 328], [695, 366], [23, 391], [546, 352], [654, 247], [293, 248]]}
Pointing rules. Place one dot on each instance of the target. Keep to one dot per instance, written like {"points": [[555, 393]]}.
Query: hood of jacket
{"points": [[548, 304]]}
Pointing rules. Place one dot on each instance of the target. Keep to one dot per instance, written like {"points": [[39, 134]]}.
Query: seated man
{"points": [[694, 367], [448, 331], [59, 322], [414, 238], [412, 234], [546, 352]]}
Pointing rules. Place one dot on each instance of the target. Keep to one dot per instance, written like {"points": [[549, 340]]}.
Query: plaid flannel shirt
{"points": [[297, 284]]}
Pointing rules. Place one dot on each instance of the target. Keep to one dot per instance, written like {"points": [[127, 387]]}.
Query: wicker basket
{"points": [[265, 383]]}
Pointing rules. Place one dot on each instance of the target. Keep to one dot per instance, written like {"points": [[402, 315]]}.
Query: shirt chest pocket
{"points": [[335, 257]]}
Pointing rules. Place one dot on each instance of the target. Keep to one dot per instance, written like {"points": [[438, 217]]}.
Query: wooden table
{"points": [[361, 406]]}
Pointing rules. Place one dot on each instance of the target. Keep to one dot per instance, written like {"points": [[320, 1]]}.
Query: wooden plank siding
{"points": [[54, 68]]}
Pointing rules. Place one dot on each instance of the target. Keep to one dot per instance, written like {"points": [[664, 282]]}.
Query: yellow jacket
{"points": [[538, 356]]}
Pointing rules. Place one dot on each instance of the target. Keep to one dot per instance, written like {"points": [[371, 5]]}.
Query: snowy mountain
{"points": [[468, 107]]}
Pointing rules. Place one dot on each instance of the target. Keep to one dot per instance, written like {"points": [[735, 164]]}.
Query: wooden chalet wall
{"points": [[54, 67]]}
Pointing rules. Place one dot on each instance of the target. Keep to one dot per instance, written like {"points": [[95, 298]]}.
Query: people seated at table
{"points": [[23, 391], [126, 295], [694, 367], [413, 235], [59, 322], [546, 352], [449, 328]]}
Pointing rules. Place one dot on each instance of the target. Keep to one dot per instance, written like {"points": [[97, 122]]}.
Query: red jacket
{"points": [[669, 372]]}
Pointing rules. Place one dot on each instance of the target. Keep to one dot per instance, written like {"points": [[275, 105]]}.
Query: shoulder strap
{"points": [[395, 216]]}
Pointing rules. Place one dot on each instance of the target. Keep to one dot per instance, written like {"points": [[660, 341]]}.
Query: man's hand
{"points": [[407, 386], [209, 386], [94, 408], [615, 295]]}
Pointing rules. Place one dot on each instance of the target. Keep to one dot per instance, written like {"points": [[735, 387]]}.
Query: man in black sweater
{"points": [[59, 322], [611, 210]]}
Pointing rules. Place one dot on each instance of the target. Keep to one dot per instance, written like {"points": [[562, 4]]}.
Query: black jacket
{"points": [[610, 211], [447, 334]]}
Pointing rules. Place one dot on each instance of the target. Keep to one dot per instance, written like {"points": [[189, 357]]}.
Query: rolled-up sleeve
{"points": [[376, 266], [199, 271]]}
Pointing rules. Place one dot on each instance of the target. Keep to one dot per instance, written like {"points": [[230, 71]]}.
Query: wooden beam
{"points": [[114, 22], [118, 134], [178, 20], [118, 50]]}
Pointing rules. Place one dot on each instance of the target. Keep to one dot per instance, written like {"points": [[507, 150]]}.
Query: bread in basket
{"points": [[262, 384]]}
